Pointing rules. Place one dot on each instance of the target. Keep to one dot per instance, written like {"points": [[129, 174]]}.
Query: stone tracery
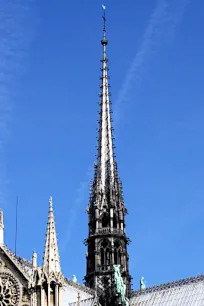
{"points": [[9, 290]]}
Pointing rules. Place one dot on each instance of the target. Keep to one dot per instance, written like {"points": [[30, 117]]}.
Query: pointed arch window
{"points": [[105, 253], [117, 253]]}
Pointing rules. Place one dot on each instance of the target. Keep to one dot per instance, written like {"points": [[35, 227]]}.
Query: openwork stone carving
{"points": [[9, 290]]}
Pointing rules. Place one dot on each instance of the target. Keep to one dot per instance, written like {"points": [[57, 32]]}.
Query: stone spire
{"points": [[51, 262], [105, 138]]}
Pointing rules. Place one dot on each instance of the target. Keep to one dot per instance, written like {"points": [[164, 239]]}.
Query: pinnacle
{"points": [[51, 262]]}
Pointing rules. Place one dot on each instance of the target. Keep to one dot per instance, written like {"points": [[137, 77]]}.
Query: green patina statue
{"points": [[74, 279], [120, 286], [142, 283]]}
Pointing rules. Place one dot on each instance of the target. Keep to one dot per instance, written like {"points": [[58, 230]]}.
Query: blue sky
{"points": [[50, 68]]}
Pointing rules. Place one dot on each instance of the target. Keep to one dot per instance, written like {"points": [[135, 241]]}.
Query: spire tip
{"points": [[104, 41], [50, 201], [104, 7]]}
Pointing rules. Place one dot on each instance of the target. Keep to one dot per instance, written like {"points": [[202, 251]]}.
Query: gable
{"points": [[13, 265], [13, 281]]}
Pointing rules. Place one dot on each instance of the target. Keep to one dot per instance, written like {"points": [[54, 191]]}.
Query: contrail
{"points": [[16, 33], [160, 29]]}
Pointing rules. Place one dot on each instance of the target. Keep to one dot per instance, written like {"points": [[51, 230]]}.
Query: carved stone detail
{"points": [[9, 290], [25, 298], [2, 264]]}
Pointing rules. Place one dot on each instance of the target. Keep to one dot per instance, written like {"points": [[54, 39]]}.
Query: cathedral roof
{"points": [[23, 265], [73, 292], [86, 302], [80, 287], [188, 291]]}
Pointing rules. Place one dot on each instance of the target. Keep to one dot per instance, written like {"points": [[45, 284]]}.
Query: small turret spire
{"points": [[34, 260], [51, 262]]}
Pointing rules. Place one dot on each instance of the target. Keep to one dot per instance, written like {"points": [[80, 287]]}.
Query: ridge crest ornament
{"points": [[9, 290]]}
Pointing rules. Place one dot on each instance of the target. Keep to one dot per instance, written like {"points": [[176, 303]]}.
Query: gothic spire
{"points": [[51, 262], [107, 241], [105, 138]]}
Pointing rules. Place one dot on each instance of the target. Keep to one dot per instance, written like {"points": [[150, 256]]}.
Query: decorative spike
{"points": [[51, 261]]}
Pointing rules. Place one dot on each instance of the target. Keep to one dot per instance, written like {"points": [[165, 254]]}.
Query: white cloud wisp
{"points": [[160, 29]]}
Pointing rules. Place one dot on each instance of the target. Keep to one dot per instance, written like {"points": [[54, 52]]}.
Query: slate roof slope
{"points": [[87, 302], [72, 291], [80, 287], [185, 292]]}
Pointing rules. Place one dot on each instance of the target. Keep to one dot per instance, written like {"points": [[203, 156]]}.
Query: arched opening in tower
{"points": [[117, 253], [105, 220], [105, 251]]}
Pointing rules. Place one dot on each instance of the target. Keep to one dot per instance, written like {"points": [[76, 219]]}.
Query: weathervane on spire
{"points": [[104, 41], [104, 7], [104, 15]]}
